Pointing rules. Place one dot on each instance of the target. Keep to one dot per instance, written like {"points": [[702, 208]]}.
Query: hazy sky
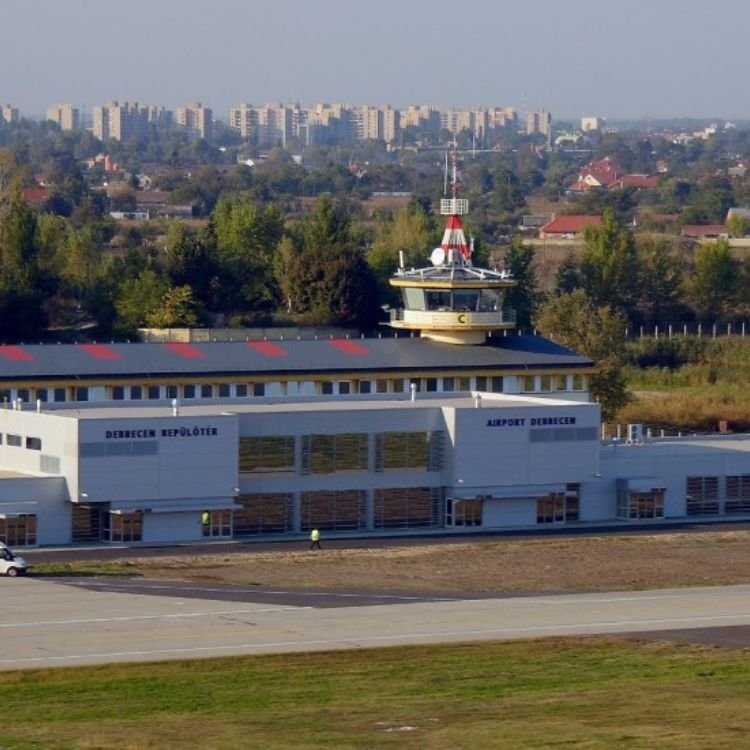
{"points": [[626, 58]]}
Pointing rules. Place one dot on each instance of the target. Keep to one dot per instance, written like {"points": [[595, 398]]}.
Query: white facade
{"points": [[365, 464]]}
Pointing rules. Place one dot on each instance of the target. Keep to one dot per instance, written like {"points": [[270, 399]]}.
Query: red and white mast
{"points": [[457, 250]]}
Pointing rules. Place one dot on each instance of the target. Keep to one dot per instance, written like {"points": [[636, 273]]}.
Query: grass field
{"points": [[581, 693], [689, 383]]}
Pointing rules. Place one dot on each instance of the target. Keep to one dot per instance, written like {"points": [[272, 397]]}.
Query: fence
{"points": [[708, 330]]}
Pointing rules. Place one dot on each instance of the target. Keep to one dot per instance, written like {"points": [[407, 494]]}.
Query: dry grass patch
{"points": [[515, 565]]}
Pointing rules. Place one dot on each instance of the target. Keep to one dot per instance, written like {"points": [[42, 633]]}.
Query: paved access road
{"points": [[55, 623]]}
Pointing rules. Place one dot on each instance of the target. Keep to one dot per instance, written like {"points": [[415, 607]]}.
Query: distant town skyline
{"points": [[667, 59]]}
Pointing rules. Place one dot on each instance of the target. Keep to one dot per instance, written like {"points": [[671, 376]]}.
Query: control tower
{"points": [[452, 300]]}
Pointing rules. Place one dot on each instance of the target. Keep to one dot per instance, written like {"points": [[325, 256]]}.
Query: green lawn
{"points": [[557, 693]]}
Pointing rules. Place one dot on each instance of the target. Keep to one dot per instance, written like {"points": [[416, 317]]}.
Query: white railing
{"points": [[454, 206]]}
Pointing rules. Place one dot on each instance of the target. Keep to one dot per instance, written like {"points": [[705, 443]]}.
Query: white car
{"points": [[10, 563]]}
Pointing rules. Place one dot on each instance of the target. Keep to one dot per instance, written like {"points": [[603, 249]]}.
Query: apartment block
{"points": [[539, 122], [591, 124], [65, 115], [120, 121], [196, 119], [8, 113]]}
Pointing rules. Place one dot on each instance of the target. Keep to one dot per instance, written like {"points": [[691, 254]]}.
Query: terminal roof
{"points": [[291, 358]]}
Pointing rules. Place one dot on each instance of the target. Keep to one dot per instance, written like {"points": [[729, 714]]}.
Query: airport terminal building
{"points": [[463, 425], [166, 473]]}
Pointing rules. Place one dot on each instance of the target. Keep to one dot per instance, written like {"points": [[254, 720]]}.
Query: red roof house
{"points": [[568, 227], [704, 231]]}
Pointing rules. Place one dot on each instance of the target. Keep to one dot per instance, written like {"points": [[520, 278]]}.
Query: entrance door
{"points": [[217, 524]]}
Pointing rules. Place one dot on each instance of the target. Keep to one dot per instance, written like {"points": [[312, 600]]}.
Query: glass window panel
{"points": [[33, 443], [271, 454]]}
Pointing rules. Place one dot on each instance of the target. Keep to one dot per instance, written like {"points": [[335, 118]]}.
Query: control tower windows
{"points": [[466, 299], [490, 300], [414, 299], [438, 299]]}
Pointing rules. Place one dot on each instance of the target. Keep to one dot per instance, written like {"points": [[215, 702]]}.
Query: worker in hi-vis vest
{"points": [[315, 539]]}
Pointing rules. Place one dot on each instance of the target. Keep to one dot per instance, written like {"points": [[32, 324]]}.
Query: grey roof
{"points": [[290, 358]]}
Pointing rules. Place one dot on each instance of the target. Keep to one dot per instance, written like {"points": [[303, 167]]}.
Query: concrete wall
{"points": [[172, 527], [197, 458], [492, 446], [46, 497], [515, 512]]}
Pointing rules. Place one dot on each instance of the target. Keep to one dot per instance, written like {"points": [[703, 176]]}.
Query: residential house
{"points": [[568, 227]]}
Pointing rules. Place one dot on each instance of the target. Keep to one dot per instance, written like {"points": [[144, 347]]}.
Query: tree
{"points": [[738, 225], [18, 250], [330, 282], [608, 264], [333, 286], [246, 241], [177, 307], [523, 298], [595, 331], [191, 260], [568, 275], [411, 232], [713, 287], [660, 278], [139, 297], [507, 195]]}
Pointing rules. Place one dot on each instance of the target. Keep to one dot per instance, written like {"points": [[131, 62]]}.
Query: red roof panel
{"points": [[188, 351], [571, 223], [268, 349], [16, 353], [100, 351], [348, 347]]}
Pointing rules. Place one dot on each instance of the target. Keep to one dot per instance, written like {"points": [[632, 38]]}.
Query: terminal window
{"points": [[702, 496], [738, 494], [327, 454], [270, 454]]}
